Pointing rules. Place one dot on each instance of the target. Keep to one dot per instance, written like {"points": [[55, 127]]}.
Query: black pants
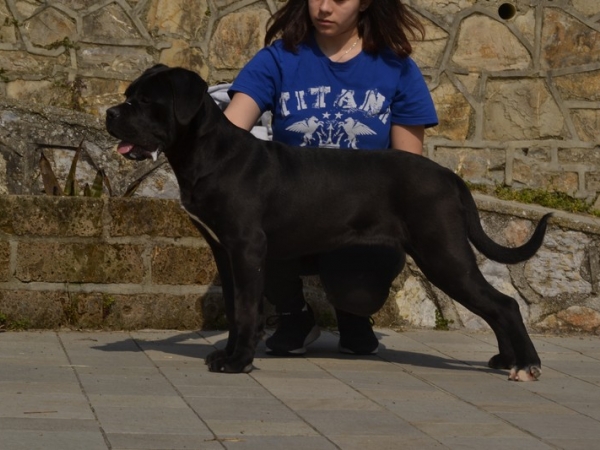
{"points": [[357, 279]]}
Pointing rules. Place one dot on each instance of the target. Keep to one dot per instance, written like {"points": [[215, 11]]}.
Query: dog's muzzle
{"points": [[129, 150], [135, 152]]}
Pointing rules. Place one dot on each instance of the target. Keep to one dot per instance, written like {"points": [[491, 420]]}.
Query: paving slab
{"points": [[425, 389]]}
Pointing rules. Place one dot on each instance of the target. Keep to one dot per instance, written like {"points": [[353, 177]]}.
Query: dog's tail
{"points": [[491, 249]]}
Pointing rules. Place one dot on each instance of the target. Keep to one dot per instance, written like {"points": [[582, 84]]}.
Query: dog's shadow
{"points": [[197, 345]]}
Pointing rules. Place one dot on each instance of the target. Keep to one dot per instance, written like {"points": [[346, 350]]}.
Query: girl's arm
{"points": [[408, 138], [242, 111]]}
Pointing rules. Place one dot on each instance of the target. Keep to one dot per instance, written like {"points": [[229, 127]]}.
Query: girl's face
{"points": [[333, 18]]}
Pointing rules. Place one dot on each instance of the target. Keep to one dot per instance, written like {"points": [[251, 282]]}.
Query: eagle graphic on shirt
{"points": [[308, 128], [330, 133]]}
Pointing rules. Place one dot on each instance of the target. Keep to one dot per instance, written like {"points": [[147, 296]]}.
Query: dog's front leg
{"points": [[224, 267], [246, 265]]}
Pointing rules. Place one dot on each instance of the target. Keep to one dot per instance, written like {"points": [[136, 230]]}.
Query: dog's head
{"points": [[158, 106]]}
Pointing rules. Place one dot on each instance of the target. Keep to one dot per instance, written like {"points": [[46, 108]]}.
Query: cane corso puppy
{"points": [[254, 200]]}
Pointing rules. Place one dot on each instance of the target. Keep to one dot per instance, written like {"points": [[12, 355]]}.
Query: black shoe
{"points": [[294, 332], [356, 335]]}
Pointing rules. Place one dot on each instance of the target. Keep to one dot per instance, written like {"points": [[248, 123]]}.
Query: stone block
{"points": [[535, 153], [51, 216], [414, 304], [224, 3], [29, 90], [21, 62], [3, 170], [427, 53], [579, 86], [521, 109], [454, 112], [157, 311], [152, 217], [557, 267], [573, 319], [586, 124], [592, 183], [180, 18], [22, 309], [107, 23], [495, 50], [517, 232], [49, 27], [505, 229], [66, 262], [87, 310], [481, 166], [99, 94], [583, 156], [32, 309], [180, 54], [4, 260], [447, 8], [525, 21], [567, 42], [532, 175], [8, 31], [115, 60], [173, 264], [238, 36], [586, 7]]}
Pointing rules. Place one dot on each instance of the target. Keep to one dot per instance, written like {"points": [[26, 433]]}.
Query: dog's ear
{"points": [[148, 72], [188, 92], [155, 69]]}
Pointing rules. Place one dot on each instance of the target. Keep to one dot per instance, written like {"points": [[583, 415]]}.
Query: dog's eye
{"points": [[144, 101]]}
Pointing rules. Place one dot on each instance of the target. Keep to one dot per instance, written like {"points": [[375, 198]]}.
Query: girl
{"points": [[335, 73]]}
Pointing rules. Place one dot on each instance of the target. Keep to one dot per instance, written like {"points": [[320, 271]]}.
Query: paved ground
{"points": [[425, 390]]}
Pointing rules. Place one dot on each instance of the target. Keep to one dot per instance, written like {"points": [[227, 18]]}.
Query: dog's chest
{"points": [[206, 228]]}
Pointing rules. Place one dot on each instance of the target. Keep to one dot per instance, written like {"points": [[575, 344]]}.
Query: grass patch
{"points": [[441, 323], [13, 325]]}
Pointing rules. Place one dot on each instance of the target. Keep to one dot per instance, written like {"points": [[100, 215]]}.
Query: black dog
{"points": [[254, 200]]}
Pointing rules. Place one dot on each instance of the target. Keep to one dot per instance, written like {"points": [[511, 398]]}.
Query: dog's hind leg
{"points": [[450, 264]]}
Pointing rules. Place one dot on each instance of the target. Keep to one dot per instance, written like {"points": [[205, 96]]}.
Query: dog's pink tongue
{"points": [[124, 147]]}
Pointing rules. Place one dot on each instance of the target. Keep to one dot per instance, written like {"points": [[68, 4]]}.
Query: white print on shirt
{"points": [[285, 96], [329, 133], [319, 93], [300, 100], [307, 127], [354, 128], [373, 103], [346, 100], [341, 128]]}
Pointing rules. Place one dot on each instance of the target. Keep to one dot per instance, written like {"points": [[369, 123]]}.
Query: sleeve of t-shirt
{"points": [[412, 104], [260, 79]]}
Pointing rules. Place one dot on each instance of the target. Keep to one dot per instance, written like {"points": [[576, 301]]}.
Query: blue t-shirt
{"points": [[320, 103]]}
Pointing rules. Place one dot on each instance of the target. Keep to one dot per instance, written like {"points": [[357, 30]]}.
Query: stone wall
{"points": [[516, 82], [93, 263], [139, 263]]}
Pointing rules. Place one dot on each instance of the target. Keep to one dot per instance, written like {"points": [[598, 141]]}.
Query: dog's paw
{"points": [[215, 356], [219, 361], [528, 373], [501, 361]]}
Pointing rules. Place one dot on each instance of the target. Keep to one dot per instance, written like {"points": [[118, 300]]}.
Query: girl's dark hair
{"points": [[384, 24]]}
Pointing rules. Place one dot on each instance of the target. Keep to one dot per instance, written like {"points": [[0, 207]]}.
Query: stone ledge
{"points": [[576, 222]]}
